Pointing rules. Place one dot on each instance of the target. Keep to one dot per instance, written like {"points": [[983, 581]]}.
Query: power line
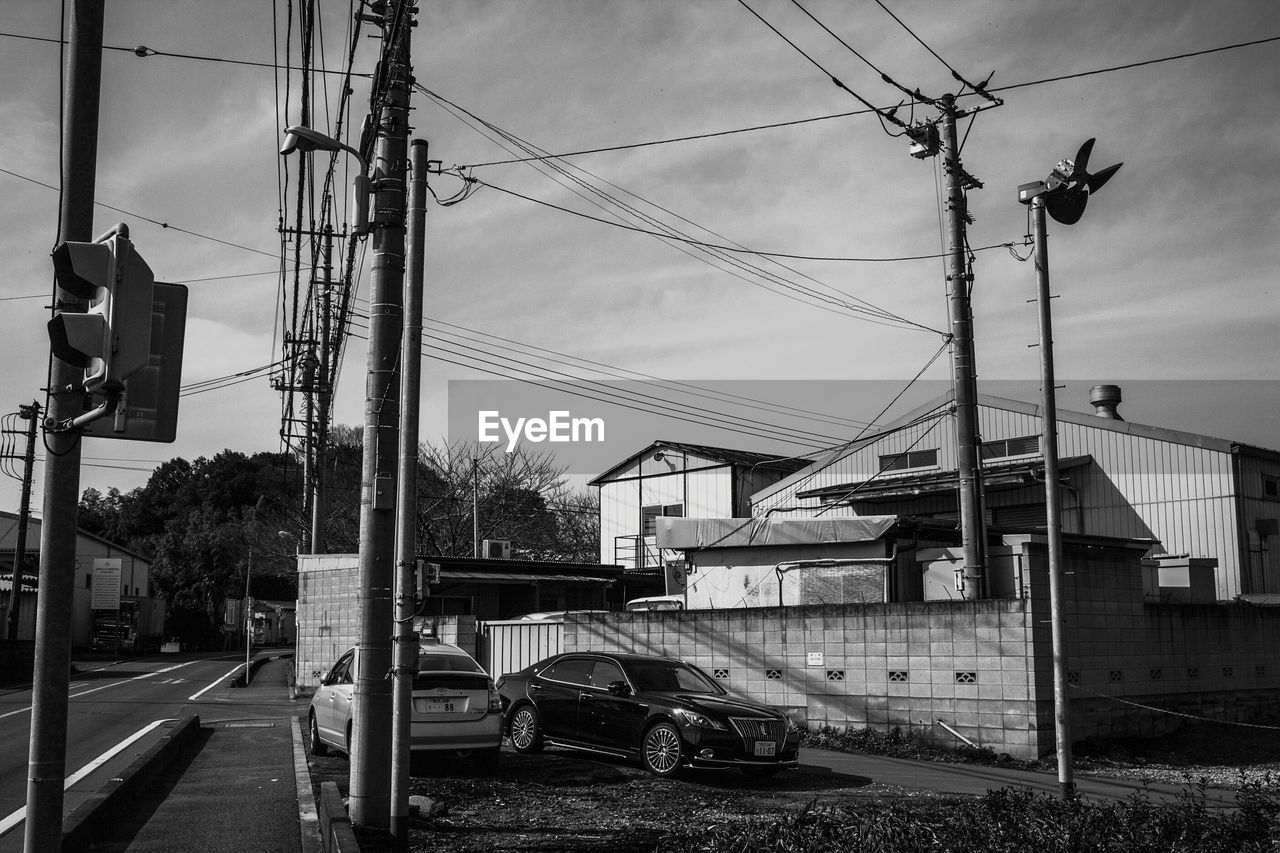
{"points": [[723, 248], [145, 218], [694, 137], [834, 79]]}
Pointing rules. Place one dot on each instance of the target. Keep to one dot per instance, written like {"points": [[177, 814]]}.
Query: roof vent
{"points": [[1105, 399]]}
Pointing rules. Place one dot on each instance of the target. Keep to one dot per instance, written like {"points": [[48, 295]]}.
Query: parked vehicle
{"points": [[657, 602], [554, 615], [455, 706], [664, 712]]}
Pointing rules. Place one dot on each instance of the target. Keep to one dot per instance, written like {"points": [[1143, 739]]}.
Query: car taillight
{"points": [[495, 701]]}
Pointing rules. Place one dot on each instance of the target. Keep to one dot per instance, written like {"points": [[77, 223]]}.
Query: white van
{"points": [[657, 602]]}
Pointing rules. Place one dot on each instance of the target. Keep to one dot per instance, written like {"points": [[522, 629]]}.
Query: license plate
{"points": [[766, 748], [443, 706]]}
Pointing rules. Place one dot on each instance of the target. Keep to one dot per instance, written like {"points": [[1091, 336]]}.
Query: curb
{"points": [[335, 823], [90, 818]]}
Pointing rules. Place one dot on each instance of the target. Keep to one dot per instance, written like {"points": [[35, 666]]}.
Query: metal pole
{"points": [[46, 769], [370, 788], [32, 414], [406, 646], [319, 510], [963, 366], [310, 364], [1053, 511], [248, 616], [475, 506]]}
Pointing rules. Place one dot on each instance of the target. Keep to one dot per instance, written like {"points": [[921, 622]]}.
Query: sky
{"points": [[1167, 285]]}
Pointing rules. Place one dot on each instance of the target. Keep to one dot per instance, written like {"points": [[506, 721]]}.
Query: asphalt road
{"points": [[113, 708]]}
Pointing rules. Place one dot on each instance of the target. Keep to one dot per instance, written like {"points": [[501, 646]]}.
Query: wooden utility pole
{"points": [[370, 787], [46, 768]]}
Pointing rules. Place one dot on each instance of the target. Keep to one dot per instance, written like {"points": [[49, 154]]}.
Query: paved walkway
{"points": [[245, 785]]}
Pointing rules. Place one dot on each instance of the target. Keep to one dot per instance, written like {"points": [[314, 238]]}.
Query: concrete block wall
{"points": [[1217, 661], [328, 613], [909, 665]]}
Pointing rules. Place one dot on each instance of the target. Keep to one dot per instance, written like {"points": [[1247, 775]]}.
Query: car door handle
{"points": [[535, 686], [584, 696]]}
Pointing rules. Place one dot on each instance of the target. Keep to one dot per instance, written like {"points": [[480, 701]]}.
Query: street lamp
{"points": [[306, 140]]}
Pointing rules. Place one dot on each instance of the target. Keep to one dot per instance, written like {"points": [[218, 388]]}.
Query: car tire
{"points": [[661, 750], [526, 730], [318, 747]]}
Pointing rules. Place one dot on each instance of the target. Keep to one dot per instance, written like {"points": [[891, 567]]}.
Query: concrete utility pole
{"points": [[31, 414], [963, 365], [370, 788], [319, 506], [46, 770], [475, 506], [406, 648], [1053, 509]]}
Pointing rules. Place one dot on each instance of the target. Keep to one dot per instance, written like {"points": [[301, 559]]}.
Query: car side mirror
{"points": [[619, 688]]}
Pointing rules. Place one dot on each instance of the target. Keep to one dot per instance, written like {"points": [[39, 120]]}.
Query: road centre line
{"points": [[20, 815], [215, 683]]}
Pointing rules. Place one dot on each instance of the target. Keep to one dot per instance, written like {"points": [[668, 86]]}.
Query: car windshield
{"points": [[440, 662], [669, 675]]}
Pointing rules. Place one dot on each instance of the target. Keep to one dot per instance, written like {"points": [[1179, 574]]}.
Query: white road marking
{"points": [[105, 686], [215, 683], [20, 815]]}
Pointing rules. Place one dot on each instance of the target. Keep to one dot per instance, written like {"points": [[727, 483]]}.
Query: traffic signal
{"points": [[112, 339]]}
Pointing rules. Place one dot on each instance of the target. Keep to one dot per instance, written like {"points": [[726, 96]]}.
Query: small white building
{"points": [[673, 479]]}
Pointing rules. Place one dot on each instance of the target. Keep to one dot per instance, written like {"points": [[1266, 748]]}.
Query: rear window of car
{"points": [[669, 675], [571, 670], [436, 662]]}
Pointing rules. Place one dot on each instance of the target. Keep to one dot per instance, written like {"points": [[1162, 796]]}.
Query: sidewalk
{"points": [[244, 785], [977, 779]]}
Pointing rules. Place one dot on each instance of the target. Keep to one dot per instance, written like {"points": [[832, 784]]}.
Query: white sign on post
{"points": [[106, 583]]}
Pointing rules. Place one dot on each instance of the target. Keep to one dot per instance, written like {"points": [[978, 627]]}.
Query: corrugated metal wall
{"points": [[1261, 552], [504, 647]]}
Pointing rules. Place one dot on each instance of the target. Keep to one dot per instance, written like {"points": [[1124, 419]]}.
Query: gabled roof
{"points": [[1085, 419], [723, 455]]}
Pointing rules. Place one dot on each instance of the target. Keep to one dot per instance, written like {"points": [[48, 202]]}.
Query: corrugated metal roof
{"points": [[688, 533], [995, 477]]}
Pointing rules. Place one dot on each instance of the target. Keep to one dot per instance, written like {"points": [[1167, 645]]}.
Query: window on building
{"points": [[1007, 447], [909, 460], [650, 513], [1271, 487]]}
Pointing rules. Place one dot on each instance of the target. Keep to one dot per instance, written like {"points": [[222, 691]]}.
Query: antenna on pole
{"points": [[1063, 196]]}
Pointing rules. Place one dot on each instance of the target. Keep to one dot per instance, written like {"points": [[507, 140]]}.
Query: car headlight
{"points": [[701, 721], [792, 725]]}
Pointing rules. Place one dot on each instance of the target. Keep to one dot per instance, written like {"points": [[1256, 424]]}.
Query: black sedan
{"points": [[665, 712]]}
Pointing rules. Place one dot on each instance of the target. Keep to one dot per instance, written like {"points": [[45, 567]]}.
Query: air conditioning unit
{"points": [[495, 549]]}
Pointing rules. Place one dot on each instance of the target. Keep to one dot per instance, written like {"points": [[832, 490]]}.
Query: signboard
{"points": [[815, 659], [106, 583]]}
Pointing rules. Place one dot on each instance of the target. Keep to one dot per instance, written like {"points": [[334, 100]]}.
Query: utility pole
{"points": [[475, 506], [1063, 196], [46, 765], [31, 414], [319, 506], [1053, 509], [963, 365], [370, 789], [406, 647]]}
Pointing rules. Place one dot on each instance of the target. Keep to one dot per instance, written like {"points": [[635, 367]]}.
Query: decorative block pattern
{"points": [[773, 675], [898, 676], [721, 673], [966, 677], [835, 675]]}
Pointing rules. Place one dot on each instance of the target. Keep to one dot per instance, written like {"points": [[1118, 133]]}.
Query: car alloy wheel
{"points": [[526, 733], [660, 750]]}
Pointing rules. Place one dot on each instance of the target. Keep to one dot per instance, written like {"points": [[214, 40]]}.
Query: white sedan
{"points": [[456, 707]]}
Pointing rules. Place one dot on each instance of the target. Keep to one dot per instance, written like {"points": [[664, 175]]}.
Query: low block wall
{"points": [[967, 663]]}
